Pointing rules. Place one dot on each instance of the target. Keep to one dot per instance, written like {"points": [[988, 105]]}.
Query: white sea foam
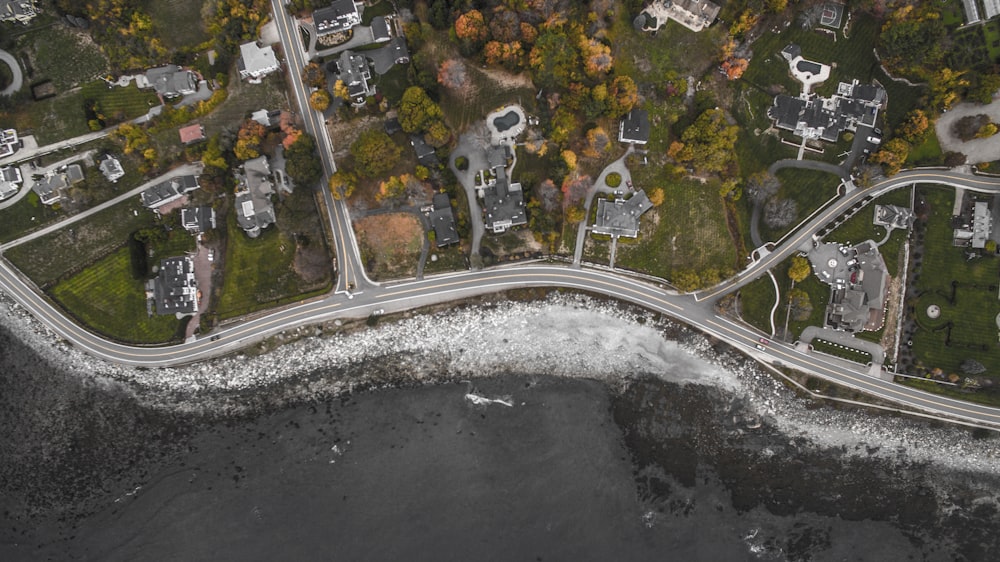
{"points": [[564, 335]]}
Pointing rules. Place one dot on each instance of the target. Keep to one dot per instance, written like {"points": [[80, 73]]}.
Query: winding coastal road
{"points": [[355, 296]]}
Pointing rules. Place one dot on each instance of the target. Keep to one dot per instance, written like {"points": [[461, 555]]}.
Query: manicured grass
{"points": [[262, 272], [107, 299], [810, 189], [819, 296], [966, 328], [178, 23], [674, 49], [71, 249], [119, 104], [756, 302], [841, 351], [54, 119], [689, 233]]}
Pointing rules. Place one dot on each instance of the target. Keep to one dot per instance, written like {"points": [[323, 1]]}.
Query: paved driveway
{"points": [[15, 70], [976, 150]]}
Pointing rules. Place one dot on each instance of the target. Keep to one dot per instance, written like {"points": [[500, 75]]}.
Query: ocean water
{"points": [[681, 458]]}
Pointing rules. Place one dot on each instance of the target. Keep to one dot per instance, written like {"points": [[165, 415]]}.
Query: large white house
{"points": [[256, 61]]}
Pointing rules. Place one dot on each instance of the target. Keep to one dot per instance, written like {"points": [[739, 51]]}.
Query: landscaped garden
{"points": [[952, 302]]}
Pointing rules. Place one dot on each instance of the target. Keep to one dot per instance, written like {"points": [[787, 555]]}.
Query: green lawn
{"points": [[119, 104], [927, 153], [687, 232], [841, 351], [72, 249], [859, 228], [63, 116], [757, 298], [966, 292], [261, 272], [24, 216], [107, 299]]}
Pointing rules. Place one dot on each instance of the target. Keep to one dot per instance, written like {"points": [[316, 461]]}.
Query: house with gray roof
{"points": [[620, 217], [10, 181], [380, 29], [425, 152], [167, 191], [9, 143], [50, 189], [174, 290], [813, 117], [634, 127], [503, 203], [254, 209], [172, 81], [339, 16], [21, 11], [198, 219], [442, 220], [256, 61], [111, 168], [400, 50], [355, 72], [858, 281]]}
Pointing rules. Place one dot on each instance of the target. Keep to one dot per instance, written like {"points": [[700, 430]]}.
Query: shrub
{"points": [[614, 179]]}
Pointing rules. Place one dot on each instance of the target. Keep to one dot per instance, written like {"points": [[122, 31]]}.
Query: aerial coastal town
{"points": [[814, 182]]}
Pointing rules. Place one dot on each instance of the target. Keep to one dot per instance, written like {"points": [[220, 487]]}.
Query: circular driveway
{"points": [[15, 69]]}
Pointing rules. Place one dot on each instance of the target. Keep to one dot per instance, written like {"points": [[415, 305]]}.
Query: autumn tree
{"points": [[945, 87], [375, 153], [505, 25], [417, 110], [892, 156], [569, 157], [340, 90], [799, 270], [623, 95], [342, 184], [509, 55], [437, 134], [914, 126], [597, 58], [913, 40], [319, 100], [985, 87], [302, 162], [135, 140], [314, 76], [709, 142], [598, 142], [470, 28], [393, 188], [734, 67], [656, 196], [686, 280], [248, 140], [555, 57], [575, 214], [562, 126]]}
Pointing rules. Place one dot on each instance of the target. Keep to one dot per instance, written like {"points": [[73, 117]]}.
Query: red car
{"points": [[764, 341]]}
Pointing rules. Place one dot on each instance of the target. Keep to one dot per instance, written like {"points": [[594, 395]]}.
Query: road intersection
{"points": [[355, 296]]}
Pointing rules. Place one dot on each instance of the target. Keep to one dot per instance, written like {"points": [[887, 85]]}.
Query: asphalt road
{"points": [[351, 273]]}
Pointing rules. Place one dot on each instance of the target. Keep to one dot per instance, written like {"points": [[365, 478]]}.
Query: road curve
{"points": [[15, 69]]}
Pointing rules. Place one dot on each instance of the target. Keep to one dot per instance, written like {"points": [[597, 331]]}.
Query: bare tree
{"points": [[779, 213], [761, 187]]}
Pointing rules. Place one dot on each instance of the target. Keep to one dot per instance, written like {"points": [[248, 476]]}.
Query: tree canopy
{"points": [[302, 162], [709, 142], [375, 153], [417, 111]]}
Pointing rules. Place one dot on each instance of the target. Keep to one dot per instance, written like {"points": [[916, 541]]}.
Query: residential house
{"points": [[354, 71], [695, 15], [853, 105], [111, 168], [380, 29], [503, 202], [267, 118], [858, 279], [992, 8], [50, 189], [256, 62], [74, 174], [9, 143], [254, 209], [21, 11], [172, 81], [634, 127], [425, 152], [443, 221], [339, 16], [10, 181], [621, 216], [975, 230], [174, 290], [191, 134], [198, 219], [971, 12], [167, 191]]}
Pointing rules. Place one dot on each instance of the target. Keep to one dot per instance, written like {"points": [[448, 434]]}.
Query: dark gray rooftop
{"points": [[175, 290], [198, 219], [503, 204], [443, 221], [167, 191], [380, 29], [635, 127], [621, 216], [340, 15]]}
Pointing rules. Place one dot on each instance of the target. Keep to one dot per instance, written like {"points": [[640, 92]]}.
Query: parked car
{"points": [[764, 341]]}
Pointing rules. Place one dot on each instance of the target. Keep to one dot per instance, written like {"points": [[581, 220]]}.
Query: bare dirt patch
{"points": [[390, 244]]}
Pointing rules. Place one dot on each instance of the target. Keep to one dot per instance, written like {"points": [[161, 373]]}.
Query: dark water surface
{"points": [[573, 471]]}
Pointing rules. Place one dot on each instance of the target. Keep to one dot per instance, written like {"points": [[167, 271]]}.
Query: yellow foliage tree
{"points": [[569, 157], [319, 100], [657, 196]]}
